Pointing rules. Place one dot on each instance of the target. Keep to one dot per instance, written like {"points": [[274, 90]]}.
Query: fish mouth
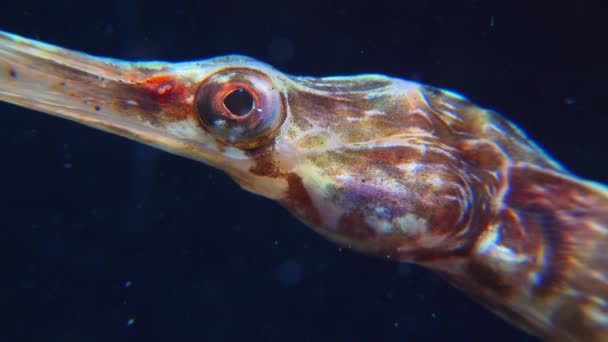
{"points": [[150, 102]]}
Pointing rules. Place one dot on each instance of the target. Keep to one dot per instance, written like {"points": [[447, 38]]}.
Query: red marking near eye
{"points": [[163, 95], [164, 88]]}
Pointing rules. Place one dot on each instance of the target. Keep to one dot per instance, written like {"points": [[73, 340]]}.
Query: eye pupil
{"points": [[239, 102]]}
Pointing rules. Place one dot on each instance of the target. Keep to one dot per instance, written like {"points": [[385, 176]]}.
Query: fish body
{"points": [[385, 166]]}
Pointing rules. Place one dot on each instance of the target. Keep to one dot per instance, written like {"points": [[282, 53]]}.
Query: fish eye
{"points": [[240, 107]]}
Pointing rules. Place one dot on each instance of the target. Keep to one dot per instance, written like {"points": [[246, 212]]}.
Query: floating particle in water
{"points": [[127, 284], [570, 100], [130, 322]]}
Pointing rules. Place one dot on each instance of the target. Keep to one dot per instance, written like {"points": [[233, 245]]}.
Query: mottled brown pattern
{"points": [[489, 277], [353, 225], [299, 200], [264, 162], [526, 261]]}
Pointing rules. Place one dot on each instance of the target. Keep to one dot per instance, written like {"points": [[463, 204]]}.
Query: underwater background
{"points": [[105, 239]]}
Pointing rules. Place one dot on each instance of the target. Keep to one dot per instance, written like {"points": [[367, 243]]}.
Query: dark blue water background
{"points": [[104, 239]]}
